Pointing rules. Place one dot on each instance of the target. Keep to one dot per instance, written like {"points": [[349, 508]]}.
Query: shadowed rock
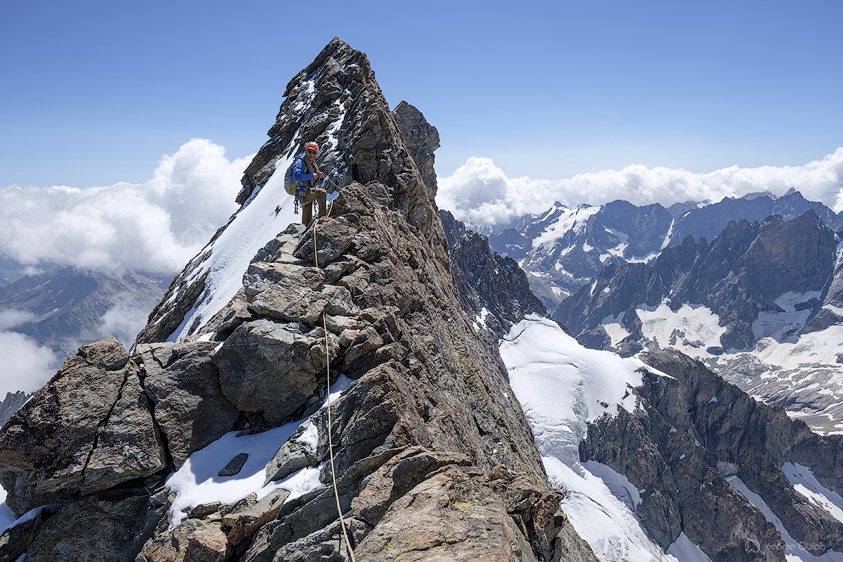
{"points": [[271, 368], [96, 530], [46, 446], [184, 386]]}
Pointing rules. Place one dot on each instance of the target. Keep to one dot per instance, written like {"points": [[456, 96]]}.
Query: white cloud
{"points": [[156, 227], [27, 366], [126, 317], [481, 194], [13, 318]]}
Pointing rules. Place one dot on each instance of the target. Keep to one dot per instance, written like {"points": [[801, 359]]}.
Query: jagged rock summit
{"points": [[433, 456]]}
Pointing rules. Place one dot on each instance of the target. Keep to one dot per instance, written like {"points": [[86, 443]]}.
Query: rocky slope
{"points": [[694, 441], [494, 290], [433, 457]]}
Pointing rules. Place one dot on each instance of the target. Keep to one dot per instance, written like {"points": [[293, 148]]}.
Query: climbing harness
{"points": [[328, 406]]}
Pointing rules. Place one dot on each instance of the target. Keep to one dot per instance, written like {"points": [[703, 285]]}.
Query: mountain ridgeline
{"points": [[432, 453], [751, 286], [564, 249], [741, 273]]}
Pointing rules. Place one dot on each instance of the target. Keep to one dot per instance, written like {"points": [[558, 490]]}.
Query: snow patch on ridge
{"points": [[778, 325], [252, 227], [669, 234], [686, 551], [794, 550], [805, 483], [691, 329], [479, 321], [613, 325], [570, 219], [198, 482]]}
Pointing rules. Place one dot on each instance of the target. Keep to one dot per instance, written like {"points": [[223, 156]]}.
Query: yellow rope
{"points": [[328, 392]]}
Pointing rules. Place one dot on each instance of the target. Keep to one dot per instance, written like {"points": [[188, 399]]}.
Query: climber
{"points": [[306, 174]]}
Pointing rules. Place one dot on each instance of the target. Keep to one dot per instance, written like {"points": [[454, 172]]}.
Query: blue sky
{"points": [[96, 92]]}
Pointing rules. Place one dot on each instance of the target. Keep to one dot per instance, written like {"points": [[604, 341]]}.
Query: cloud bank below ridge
{"points": [[481, 194], [154, 227]]}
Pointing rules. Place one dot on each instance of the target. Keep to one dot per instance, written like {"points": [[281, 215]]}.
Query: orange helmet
{"points": [[312, 146]]}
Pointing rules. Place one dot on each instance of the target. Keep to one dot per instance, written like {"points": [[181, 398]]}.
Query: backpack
{"points": [[289, 183]]}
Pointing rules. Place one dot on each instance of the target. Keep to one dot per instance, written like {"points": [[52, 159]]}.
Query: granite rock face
{"points": [[87, 430], [691, 434], [422, 140], [427, 405], [183, 385]]}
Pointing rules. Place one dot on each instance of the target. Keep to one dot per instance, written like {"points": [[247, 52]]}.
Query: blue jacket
{"points": [[300, 174]]}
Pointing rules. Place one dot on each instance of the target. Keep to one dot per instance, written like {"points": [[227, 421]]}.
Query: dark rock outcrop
{"points": [[184, 387], [691, 432], [96, 530], [493, 289], [422, 140], [16, 539], [86, 431]]}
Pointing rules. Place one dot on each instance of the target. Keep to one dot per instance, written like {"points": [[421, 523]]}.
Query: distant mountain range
{"points": [[69, 306], [563, 249], [751, 286]]}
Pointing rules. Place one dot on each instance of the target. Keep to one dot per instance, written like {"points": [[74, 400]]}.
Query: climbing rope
{"points": [[328, 393]]}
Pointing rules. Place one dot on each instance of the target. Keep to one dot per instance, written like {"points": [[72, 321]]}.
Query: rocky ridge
{"points": [[494, 290], [427, 433]]}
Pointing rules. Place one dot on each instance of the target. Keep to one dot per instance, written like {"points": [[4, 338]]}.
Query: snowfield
{"points": [[197, 482], [570, 219], [562, 386], [228, 257]]}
